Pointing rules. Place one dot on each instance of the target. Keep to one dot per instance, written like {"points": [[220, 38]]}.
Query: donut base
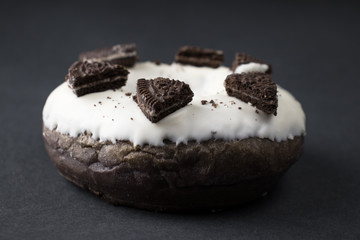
{"points": [[213, 174]]}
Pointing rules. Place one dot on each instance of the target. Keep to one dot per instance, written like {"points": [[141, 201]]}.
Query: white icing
{"points": [[118, 117], [252, 67]]}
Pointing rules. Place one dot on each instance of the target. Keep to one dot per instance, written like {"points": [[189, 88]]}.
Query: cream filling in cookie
{"points": [[93, 84], [251, 67], [112, 57], [114, 115]]}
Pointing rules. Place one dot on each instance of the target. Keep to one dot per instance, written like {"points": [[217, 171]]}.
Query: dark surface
{"points": [[314, 51]]}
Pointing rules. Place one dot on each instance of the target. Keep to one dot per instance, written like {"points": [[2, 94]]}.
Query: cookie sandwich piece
{"points": [[122, 54], [89, 77], [246, 63], [198, 56], [160, 97], [255, 88]]}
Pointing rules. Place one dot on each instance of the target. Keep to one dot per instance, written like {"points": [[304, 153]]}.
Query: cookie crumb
{"points": [[131, 118], [112, 119], [115, 106], [94, 105], [203, 102], [108, 97], [100, 102], [257, 111], [135, 98], [239, 108], [128, 94], [213, 103]]}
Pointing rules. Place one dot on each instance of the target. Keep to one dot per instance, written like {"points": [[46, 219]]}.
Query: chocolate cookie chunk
{"points": [[122, 54], [160, 97], [199, 56], [242, 58], [88, 77], [255, 88]]}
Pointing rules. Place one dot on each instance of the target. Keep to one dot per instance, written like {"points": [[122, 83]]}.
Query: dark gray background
{"points": [[314, 50]]}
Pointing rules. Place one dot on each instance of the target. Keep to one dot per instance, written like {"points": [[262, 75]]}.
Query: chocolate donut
{"points": [[184, 144]]}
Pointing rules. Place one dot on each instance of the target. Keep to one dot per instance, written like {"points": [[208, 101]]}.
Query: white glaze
{"points": [[118, 117], [252, 67]]}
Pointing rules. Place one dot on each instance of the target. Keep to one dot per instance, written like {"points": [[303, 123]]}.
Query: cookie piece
{"points": [[255, 88], [88, 77], [160, 97], [258, 65], [122, 54], [199, 56]]}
